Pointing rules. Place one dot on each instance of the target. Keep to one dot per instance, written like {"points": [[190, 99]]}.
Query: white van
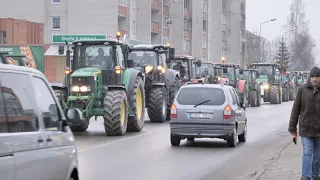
{"points": [[35, 142]]}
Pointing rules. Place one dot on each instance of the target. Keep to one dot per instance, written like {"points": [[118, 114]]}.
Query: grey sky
{"points": [[259, 11]]}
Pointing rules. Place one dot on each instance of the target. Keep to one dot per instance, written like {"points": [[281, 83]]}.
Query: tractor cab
{"points": [[188, 68], [211, 73], [230, 73], [250, 75]]}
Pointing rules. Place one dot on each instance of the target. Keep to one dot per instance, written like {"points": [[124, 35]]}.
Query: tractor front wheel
{"points": [[274, 94], [82, 127], [253, 98], [137, 103], [157, 107], [115, 113], [285, 97], [291, 94]]}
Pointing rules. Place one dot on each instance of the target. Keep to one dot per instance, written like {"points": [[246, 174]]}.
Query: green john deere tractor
{"points": [[250, 75], [210, 73], [99, 83], [161, 83], [270, 81]]}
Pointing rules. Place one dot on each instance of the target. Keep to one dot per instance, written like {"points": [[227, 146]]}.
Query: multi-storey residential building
{"points": [[206, 29]]}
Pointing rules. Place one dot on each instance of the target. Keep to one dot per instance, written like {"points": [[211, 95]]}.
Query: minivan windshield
{"points": [[196, 95]]}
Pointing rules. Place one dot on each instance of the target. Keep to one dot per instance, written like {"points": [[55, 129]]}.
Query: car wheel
{"points": [[243, 137], [175, 140], [232, 140]]}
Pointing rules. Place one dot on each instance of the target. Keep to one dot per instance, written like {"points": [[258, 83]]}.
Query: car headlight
{"points": [[81, 89], [148, 69]]}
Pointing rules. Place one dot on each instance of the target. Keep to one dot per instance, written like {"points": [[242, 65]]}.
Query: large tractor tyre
{"points": [[291, 94], [172, 94], [285, 97], [157, 107], [253, 98], [82, 127], [274, 94], [115, 113], [137, 103], [259, 98]]}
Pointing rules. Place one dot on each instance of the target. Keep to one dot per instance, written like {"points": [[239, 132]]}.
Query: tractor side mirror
{"points": [[171, 53], [198, 63], [61, 49], [224, 70], [241, 71]]}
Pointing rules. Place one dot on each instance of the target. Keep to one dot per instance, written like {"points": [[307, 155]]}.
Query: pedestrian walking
{"points": [[306, 111]]}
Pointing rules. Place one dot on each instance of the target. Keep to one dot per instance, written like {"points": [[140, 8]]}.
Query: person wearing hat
{"points": [[306, 111]]}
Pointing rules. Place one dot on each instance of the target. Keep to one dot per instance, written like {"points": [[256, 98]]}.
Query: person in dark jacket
{"points": [[306, 111]]}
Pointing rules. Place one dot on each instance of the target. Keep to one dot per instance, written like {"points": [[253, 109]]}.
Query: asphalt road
{"points": [[149, 155]]}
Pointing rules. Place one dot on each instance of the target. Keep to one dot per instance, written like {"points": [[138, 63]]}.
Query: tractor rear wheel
{"points": [[137, 103], [253, 98], [291, 94], [172, 94], [285, 97], [274, 94], [157, 107], [259, 97], [115, 113]]}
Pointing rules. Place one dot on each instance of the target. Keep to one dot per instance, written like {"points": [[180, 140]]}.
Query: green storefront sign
{"points": [[60, 38], [34, 54]]}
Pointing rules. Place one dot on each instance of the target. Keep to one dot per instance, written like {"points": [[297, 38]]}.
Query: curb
{"points": [[260, 173]]}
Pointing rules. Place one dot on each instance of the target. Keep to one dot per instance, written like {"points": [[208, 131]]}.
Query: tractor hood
{"points": [[85, 72], [262, 79]]}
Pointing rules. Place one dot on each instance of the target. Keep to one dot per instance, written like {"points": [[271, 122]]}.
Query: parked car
{"points": [[208, 111], [35, 141]]}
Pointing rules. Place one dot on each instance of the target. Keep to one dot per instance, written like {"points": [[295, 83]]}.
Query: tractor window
{"points": [[120, 56], [142, 58], [204, 70], [162, 60], [95, 56], [229, 74], [265, 70]]}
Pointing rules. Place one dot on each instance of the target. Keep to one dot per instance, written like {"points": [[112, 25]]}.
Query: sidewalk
{"points": [[288, 166]]}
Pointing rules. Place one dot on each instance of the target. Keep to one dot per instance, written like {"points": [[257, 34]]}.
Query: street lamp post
{"points": [[169, 21], [261, 38]]}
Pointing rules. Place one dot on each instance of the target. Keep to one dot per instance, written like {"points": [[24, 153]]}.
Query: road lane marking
{"points": [[113, 142]]}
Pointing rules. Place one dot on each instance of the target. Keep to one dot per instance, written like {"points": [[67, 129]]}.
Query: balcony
{"points": [[187, 14], [165, 32], [122, 11], [204, 52], [186, 35], [165, 10], [155, 5], [154, 27]]}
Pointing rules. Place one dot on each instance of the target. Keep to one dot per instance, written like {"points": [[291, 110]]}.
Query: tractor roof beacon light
{"points": [[223, 59], [118, 35]]}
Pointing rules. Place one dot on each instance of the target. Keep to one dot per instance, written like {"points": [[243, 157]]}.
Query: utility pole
{"points": [[260, 46]]}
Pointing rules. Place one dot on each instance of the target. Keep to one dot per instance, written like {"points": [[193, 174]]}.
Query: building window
{"points": [[133, 27], [56, 23], [56, 1], [123, 2], [3, 37], [186, 45], [205, 6], [224, 19], [204, 42], [187, 4], [165, 22], [224, 6], [165, 40], [204, 28], [224, 36], [187, 25]]}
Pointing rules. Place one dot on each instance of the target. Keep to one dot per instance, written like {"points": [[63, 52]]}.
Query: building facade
{"points": [[206, 29]]}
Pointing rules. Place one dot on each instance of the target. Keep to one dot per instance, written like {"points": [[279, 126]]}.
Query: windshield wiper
{"points": [[201, 103]]}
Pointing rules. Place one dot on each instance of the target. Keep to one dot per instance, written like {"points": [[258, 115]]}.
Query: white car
{"points": [[35, 141]]}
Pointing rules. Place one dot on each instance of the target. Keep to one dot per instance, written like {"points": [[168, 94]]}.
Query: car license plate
{"points": [[200, 115]]}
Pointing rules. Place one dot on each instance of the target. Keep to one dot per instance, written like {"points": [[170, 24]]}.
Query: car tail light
{"points": [[173, 112], [227, 114]]}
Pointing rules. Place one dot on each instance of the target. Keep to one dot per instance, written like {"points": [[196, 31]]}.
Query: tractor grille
{"points": [[83, 81]]}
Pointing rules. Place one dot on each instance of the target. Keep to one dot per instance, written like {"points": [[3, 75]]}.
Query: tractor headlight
{"points": [[81, 89], [75, 89], [161, 69], [148, 69], [266, 86]]}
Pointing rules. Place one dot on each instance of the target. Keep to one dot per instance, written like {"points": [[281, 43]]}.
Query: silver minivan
{"points": [[35, 141], [208, 111]]}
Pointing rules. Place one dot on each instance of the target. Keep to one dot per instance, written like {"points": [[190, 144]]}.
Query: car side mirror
{"points": [[198, 63], [171, 53], [130, 63], [225, 70], [74, 115]]}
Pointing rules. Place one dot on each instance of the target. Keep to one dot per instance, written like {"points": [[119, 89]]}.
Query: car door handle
{"points": [[40, 140], [49, 140]]}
